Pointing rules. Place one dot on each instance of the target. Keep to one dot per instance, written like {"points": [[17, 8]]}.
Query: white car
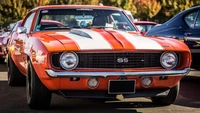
{"points": [[129, 15]]}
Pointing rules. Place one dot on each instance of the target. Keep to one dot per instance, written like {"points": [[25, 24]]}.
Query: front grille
{"points": [[111, 60]]}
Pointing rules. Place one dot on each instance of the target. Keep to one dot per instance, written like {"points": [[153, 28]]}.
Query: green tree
{"points": [[60, 2], [146, 9], [124, 4], [77, 2], [30, 4], [11, 11], [172, 7]]}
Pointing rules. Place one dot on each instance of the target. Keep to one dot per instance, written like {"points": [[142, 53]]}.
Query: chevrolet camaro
{"points": [[87, 54]]}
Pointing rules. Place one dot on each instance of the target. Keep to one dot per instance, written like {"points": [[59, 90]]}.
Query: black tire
{"points": [[15, 77], [38, 96], [169, 99]]}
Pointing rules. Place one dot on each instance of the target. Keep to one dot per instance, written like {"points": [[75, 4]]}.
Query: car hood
{"points": [[102, 39]]}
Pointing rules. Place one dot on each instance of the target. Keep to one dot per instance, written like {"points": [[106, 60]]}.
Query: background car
{"points": [[144, 26], [13, 32], [185, 27], [92, 58], [129, 15], [2, 46]]}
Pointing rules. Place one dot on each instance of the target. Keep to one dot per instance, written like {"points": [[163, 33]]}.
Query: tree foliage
{"points": [[12, 11], [77, 2], [35, 3], [155, 10], [147, 8]]}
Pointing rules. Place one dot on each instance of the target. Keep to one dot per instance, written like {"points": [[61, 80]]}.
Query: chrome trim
{"points": [[52, 73], [193, 39]]}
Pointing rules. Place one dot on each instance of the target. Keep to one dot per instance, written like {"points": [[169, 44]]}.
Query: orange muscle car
{"points": [[90, 56]]}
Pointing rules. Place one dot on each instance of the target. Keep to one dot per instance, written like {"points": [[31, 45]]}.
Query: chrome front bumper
{"points": [[52, 73]]}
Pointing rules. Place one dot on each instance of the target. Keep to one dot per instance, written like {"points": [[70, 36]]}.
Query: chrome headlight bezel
{"points": [[74, 56], [164, 65]]}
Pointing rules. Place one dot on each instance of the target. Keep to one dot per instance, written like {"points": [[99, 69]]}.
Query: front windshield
{"points": [[57, 19]]}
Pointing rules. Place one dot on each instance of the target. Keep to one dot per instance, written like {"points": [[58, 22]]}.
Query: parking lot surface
{"points": [[13, 99]]}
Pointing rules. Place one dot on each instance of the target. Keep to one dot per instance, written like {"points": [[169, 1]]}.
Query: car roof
{"points": [[180, 14], [76, 6]]}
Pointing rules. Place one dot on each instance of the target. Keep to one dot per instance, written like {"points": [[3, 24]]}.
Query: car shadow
{"points": [[189, 92], [88, 106], [118, 107]]}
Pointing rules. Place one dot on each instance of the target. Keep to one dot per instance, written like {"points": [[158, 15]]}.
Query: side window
{"points": [[16, 26], [28, 22], [197, 22], [190, 18]]}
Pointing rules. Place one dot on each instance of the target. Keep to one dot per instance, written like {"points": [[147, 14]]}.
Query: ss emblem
{"points": [[122, 60]]}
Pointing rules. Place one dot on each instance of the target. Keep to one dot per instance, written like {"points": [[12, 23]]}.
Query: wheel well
{"points": [[28, 58], [28, 68], [8, 64]]}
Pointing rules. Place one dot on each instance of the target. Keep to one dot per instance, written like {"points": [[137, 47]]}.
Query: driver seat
{"points": [[99, 21]]}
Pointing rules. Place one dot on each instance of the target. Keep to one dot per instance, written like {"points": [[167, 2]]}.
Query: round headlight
{"points": [[68, 60], [169, 60]]}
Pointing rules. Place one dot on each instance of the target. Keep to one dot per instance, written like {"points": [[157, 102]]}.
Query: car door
{"points": [[192, 35], [19, 43]]}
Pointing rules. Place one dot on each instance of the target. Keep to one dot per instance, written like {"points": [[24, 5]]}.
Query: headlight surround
{"points": [[169, 60], [69, 60]]}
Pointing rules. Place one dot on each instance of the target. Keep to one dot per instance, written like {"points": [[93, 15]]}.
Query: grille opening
{"points": [[55, 60], [110, 60]]}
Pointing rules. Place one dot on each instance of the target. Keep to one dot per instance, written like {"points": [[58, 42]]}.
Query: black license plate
{"points": [[121, 86]]}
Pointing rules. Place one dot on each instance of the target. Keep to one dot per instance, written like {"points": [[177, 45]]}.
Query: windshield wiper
{"points": [[54, 28]]}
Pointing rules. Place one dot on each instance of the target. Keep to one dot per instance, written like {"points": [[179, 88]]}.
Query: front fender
{"points": [[38, 52]]}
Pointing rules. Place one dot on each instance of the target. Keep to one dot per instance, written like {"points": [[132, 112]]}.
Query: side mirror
{"points": [[21, 30]]}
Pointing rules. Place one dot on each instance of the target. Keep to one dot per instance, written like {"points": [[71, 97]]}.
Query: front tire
{"points": [[169, 99], [38, 96], [15, 77]]}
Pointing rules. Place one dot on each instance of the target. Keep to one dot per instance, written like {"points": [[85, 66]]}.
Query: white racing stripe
{"points": [[95, 42], [140, 42]]}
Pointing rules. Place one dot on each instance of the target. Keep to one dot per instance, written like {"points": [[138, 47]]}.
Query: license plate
{"points": [[121, 86]]}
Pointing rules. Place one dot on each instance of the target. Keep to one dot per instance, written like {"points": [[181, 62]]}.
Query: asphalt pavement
{"points": [[13, 100]]}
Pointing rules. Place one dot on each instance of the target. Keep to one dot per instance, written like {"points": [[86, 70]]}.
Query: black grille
{"points": [[110, 60], [55, 60]]}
